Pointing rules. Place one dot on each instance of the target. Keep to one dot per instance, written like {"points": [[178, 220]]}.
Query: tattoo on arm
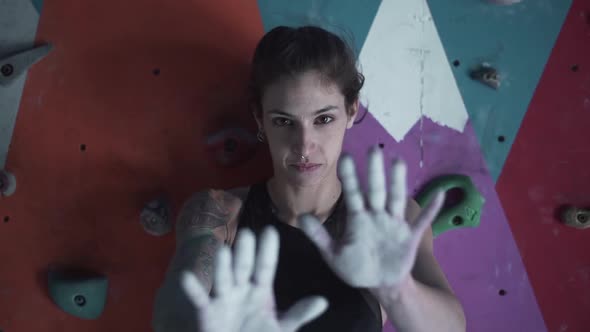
{"points": [[205, 210], [197, 256], [205, 261]]}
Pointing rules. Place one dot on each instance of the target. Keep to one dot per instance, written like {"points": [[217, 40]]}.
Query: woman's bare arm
{"points": [[205, 222], [428, 302]]}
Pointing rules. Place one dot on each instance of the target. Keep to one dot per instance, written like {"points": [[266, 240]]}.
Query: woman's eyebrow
{"points": [[320, 111]]}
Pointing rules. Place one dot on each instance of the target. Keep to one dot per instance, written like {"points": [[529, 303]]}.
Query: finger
{"points": [[244, 256], [428, 214], [193, 289], [350, 185], [316, 232], [398, 191], [303, 312], [376, 180], [222, 278], [267, 257]]}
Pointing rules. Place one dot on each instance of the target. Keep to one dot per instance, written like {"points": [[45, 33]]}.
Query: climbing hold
{"points": [[575, 217], [232, 146], [465, 213], [7, 183], [155, 217], [487, 75], [79, 293], [15, 65]]}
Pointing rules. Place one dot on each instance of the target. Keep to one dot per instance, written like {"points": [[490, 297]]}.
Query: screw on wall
{"points": [[487, 75], [7, 70], [7, 183], [575, 217]]}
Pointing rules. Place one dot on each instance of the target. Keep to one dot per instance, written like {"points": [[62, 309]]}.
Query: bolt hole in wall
{"points": [[575, 68], [6, 219], [82, 147], [7, 70], [501, 138], [456, 63], [80, 300], [502, 292], [156, 71]]}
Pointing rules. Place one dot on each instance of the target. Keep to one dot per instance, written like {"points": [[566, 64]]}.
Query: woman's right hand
{"points": [[243, 297]]}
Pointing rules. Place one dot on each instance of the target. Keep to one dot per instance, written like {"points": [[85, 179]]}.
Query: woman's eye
{"points": [[326, 119], [281, 122]]}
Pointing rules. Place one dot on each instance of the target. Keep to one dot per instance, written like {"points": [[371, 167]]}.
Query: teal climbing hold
{"points": [[80, 295], [465, 213]]}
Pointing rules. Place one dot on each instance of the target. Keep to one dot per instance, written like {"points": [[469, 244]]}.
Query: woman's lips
{"points": [[306, 167]]}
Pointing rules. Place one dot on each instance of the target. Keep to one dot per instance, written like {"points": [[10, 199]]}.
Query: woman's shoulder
{"points": [[214, 209], [239, 192]]}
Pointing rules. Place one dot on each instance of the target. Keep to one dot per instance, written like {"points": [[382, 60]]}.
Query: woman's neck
{"points": [[292, 201]]}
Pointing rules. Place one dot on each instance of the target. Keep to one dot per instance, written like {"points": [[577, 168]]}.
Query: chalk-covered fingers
{"points": [[267, 256], [303, 312], [398, 190], [350, 185]]}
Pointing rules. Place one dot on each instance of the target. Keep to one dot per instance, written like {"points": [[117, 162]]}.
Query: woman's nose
{"points": [[304, 142]]}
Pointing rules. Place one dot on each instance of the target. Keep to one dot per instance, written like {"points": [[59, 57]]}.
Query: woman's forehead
{"points": [[305, 92]]}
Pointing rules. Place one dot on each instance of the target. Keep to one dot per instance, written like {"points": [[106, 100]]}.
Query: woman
{"points": [[305, 89]]}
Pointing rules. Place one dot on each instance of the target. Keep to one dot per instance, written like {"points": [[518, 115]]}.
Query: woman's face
{"points": [[304, 116]]}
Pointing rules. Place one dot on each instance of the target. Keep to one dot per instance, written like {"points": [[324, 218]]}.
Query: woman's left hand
{"points": [[379, 246]]}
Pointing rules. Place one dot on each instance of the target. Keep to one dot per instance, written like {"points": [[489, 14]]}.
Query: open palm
{"points": [[244, 300], [378, 248]]}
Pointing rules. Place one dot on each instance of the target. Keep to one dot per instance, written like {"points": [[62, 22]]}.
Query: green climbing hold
{"points": [[81, 294], [465, 213]]}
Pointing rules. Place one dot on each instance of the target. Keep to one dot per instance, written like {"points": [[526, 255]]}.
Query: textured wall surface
{"points": [[120, 111]]}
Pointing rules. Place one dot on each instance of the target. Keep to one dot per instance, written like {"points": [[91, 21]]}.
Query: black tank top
{"points": [[302, 272]]}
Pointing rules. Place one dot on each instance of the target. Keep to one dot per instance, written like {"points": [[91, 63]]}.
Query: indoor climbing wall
{"points": [[140, 100]]}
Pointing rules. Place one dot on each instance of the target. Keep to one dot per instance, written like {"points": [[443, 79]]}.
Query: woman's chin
{"points": [[305, 177]]}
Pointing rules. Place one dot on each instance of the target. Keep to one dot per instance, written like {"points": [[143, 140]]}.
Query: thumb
{"points": [[428, 215], [316, 232], [303, 312]]}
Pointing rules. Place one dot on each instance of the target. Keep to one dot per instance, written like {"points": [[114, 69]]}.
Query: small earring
{"points": [[260, 135]]}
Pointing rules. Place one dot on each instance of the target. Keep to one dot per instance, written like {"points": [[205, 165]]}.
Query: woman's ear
{"points": [[353, 112], [258, 118]]}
